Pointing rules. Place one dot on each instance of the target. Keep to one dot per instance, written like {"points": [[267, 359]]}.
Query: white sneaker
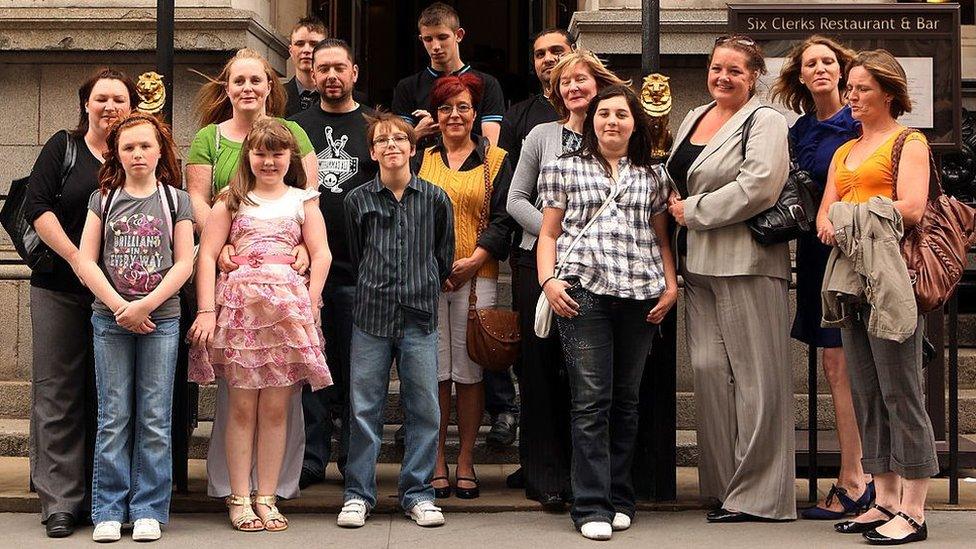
{"points": [[426, 513], [599, 531], [146, 529], [353, 514], [620, 522], [106, 531]]}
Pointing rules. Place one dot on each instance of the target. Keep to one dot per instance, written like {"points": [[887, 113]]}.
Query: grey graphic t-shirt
{"points": [[136, 246]]}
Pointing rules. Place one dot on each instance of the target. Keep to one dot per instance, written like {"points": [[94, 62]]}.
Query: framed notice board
{"points": [[925, 38]]}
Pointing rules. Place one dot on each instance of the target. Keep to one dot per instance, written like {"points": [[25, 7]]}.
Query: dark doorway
{"points": [[384, 35]]}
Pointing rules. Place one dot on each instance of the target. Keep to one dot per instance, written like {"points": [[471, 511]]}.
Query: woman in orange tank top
{"points": [[886, 382]]}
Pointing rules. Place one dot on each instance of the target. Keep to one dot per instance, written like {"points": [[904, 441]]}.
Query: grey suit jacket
{"points": [[726, 189]]}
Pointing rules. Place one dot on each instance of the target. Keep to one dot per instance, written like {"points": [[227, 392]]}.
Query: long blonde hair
{"points": [[604, 77], [271, 135], [212, 104]]}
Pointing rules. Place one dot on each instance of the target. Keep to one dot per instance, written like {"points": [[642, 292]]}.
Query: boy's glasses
{"points": [[398, 139], [461, 108]]}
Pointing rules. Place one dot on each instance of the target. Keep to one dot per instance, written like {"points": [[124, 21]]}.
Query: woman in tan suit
{"points": [[737, 315]]}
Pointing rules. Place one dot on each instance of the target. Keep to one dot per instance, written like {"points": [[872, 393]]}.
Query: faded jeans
{"points": [[133, 456]]}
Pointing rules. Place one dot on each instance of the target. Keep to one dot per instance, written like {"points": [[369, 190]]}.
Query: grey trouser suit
{"points": [[738, 338]]}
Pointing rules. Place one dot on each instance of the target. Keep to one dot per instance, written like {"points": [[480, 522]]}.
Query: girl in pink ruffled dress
{"points": [[257, 327]]}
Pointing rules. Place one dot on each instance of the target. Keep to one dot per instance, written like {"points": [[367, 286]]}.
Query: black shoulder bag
{"points": [[14, 220], [794, 213]]}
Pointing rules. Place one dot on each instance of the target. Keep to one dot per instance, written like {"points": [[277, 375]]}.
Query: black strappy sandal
{"points": [[919, 533], [467, 493], [851, 527], [445, 492]]}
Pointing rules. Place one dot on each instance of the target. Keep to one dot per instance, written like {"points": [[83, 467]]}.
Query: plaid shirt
{"points": [[619, 255]]}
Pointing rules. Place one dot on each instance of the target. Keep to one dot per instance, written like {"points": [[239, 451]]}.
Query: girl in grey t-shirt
{"points": [[136, 252]]}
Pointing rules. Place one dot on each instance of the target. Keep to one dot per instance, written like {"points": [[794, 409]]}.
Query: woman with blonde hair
{"points": [[812, 83], [246, 90], [885, 367], [544, 446]]}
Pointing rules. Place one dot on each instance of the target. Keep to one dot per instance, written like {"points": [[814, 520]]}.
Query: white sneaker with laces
{"points": [[426, 513], [620, 522], [599, 531], [353, 514], [107, 531], [146, 529]]}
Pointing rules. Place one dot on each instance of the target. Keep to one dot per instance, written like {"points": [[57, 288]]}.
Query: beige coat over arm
{"points": [[726, 189]]}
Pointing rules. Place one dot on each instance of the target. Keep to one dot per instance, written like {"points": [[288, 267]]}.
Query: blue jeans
{"points": [[371, 358], [323, 406], [133, 476], [605, 347]]}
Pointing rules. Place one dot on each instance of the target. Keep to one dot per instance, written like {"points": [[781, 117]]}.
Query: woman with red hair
{"points": [[472, 172]]}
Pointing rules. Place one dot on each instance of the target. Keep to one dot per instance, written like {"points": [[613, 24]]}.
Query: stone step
{"points": [[14, 397]]}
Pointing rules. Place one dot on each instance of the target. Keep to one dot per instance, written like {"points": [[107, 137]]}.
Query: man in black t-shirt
{"points": [[440, 33], [547, 47], [337, 129]]}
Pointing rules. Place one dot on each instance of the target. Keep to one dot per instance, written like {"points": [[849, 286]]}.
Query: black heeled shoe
{"points": [[467, 493], [920, 532], [445, 492], [851, 527]]}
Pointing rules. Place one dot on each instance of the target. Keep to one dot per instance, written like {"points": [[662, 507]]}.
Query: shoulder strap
{"points": [[213, 163], [482, 219], [747, 127], [68, 162], [166, 196], [107, 200], [572, 245], [935, 179]]}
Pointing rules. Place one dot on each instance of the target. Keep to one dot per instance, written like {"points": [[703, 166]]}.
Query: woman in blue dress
{"points": [[812, 83]]}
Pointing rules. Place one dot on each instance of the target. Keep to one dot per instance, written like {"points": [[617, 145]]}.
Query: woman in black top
{"points": [[63, 403]]}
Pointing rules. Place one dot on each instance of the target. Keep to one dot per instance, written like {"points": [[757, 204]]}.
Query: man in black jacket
{"points": [[305, 35]]}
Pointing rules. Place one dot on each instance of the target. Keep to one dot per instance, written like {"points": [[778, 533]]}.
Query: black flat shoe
{"points": [[308, 478], [920, 533], [60, 525], [851, 527], [516, 480], [724, 516], [442, 493], [553, 503], [467, 493]]}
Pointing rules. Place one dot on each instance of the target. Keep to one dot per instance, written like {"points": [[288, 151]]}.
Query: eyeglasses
{"points": [[737, 38], [461, 108], [398, 139]]}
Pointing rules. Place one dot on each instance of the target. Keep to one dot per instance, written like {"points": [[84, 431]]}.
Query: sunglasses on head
{"points": [[736, 38]]}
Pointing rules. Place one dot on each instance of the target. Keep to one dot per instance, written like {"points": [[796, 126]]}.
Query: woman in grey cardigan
{"points": [[544, 445], [736, 290]]}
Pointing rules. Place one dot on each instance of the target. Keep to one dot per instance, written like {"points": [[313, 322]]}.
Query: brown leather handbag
{"points": [[935, 248], [493, 334]]}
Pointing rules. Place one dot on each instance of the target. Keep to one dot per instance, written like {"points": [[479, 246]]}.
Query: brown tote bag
{"points": [[492, 334], [935, 248]]}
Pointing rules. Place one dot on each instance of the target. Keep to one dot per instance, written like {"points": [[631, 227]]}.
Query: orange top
{"points": [[873, 176]]}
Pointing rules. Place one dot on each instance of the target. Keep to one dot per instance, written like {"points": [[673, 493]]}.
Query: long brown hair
{"points": [[112, 175], [794, 94], [212, 104], [271, 135], [84, 93], [639, 146]]}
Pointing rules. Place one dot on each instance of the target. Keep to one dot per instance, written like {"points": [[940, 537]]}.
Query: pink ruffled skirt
{"points": [[265, 334]]}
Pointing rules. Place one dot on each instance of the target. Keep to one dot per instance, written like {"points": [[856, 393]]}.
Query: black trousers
{"points": [[544, 444]]}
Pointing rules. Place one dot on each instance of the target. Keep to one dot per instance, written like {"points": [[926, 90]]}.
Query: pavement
{"points": [[490, 530]]}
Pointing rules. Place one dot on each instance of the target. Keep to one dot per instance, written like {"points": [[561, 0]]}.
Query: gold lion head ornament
{"points": [[151, 92]]}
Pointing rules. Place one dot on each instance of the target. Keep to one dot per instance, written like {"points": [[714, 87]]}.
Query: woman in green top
{"points": [[246, 90]]}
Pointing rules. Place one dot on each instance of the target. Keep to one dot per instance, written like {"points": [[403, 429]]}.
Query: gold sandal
{"points": [[246, 517], [273, 513]]}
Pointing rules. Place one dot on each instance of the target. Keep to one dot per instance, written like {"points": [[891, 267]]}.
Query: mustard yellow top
{"points": [[467, 193], [873, 176]]}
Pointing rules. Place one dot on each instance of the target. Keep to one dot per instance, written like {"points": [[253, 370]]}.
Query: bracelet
{"points": [[546, 281], [201, 311]]}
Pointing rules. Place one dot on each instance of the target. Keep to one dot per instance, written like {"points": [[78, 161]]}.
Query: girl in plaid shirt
{"points": [[611, 288]]}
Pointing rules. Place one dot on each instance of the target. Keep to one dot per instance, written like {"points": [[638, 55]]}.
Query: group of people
{"points": [[344, 240]]}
